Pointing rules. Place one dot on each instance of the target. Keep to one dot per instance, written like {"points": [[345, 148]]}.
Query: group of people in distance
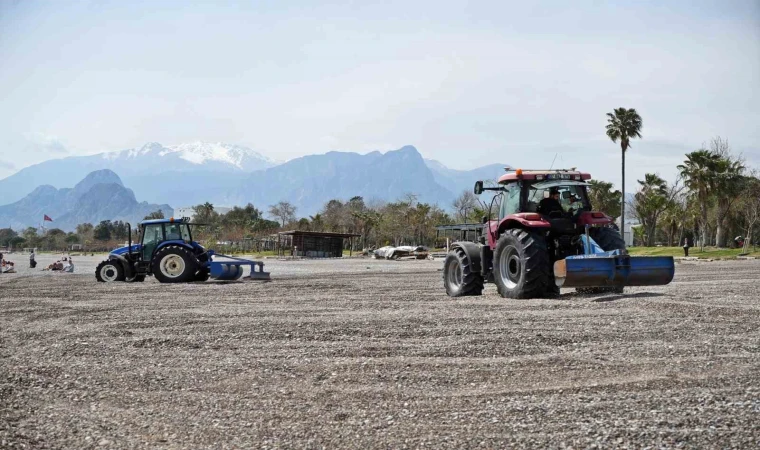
{"points": [[65, 264]]}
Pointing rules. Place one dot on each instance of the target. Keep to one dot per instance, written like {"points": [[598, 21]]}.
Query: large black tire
{"points": [[174, 264], [609, 239], [109, 270], [202, 275], [459, 278], [521, 266]]}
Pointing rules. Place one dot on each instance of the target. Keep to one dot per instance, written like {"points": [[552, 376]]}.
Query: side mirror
{"points": [[478, 188]]}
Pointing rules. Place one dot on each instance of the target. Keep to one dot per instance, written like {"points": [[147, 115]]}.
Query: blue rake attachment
{"points": [[233, 270], [613, 269]]}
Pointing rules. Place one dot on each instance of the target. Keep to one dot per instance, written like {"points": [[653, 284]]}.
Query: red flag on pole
{"points": [[48, 218]]}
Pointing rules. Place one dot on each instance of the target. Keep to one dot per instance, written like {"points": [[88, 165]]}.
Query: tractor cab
{"points": [[156, 232]]}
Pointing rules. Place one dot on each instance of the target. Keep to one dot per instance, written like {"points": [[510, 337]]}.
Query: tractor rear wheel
{"points": [[174, 264], [521, 265], [609, 239], [458, 277], [109, 270]]}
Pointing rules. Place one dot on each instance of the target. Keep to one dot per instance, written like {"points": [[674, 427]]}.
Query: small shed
{"points": [[460, 231], [313, 244]]}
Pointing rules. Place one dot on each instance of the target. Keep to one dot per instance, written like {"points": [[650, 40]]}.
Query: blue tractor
{"points": [[167, 251]]}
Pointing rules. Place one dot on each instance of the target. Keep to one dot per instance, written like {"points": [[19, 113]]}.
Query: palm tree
{"points": [[698, 172], [624, 125], [729, 184]]}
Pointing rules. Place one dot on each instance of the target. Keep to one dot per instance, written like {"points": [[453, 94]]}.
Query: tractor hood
{"points": [[122, 250]]}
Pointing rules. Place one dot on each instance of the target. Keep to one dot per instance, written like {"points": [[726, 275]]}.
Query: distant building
{"points": [[188, 211], [628, 231], [313, 244]]}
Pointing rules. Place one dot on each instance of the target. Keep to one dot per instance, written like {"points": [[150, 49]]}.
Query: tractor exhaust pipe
{"points": [[129, 233]]}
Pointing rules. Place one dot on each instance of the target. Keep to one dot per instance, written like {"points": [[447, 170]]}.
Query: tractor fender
{"points": [[129, 271], [472, 250], [177, 242], [595, 219], [529, 220]]}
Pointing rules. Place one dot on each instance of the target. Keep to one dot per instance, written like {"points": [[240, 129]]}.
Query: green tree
{"points": [[623, 125], [6, 234], [729, 184], [653, 198], [317, 224], [749, 207], [31, 238], [102, 231], [303, 224], [157, 214], [604, 199], [205, 213], [16, 242], [698, 172]]}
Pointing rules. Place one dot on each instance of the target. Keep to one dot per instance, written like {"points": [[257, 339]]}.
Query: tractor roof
{"points": [[543, 174], [170, 220]]}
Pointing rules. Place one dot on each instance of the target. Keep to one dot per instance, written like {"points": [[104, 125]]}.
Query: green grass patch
{"points": [[709, 252]]}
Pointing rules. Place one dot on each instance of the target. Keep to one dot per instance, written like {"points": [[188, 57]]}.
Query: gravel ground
{"points": [[373, 354]]}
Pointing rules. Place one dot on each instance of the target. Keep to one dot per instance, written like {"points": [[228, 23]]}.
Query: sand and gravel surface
{"points": [[373, 354]]}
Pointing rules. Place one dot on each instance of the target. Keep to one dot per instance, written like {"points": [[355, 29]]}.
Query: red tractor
{"points": [[547, 235]]}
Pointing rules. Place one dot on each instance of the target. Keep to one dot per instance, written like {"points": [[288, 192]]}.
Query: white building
{"points": [[628, 232]]}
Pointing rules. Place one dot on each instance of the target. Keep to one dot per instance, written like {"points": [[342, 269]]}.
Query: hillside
{"points": [[101, 195]]}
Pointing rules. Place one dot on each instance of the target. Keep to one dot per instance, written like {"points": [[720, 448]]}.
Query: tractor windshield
{"points": [[177, 231], [572, 195]]}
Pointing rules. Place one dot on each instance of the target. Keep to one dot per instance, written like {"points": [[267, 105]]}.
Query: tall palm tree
{"points": [[698, 172], [623, 125]]}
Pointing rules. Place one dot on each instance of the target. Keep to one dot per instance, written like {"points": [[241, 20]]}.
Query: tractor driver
{"points": [[551, 203]]}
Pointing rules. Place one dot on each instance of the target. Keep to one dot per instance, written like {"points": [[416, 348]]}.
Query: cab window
{"points": [[510, 202], [571, 197], [176, 231], [152, 236]]}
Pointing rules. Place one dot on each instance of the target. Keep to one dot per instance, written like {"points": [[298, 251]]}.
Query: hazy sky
{"points": [[467, 83]]}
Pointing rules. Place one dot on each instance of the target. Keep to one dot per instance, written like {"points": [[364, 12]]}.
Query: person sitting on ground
{"points": [[8, 267], [55, 266], [551, 203], [69, 268]]}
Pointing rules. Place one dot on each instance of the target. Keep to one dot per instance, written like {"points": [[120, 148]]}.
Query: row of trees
{"points": [[405, 221], [715, 198]]}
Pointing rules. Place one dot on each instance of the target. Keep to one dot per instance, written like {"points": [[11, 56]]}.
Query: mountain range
{"points": [[223, 174], [101, 195]]}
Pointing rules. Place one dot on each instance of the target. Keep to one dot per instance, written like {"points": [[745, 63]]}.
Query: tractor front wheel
{"points": [[109, 270], [174, 264], [458, 276], [521, 266]]}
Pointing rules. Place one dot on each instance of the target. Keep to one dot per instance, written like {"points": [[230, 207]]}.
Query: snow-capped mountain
{"points": [[146, 169], [203, 154]]}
